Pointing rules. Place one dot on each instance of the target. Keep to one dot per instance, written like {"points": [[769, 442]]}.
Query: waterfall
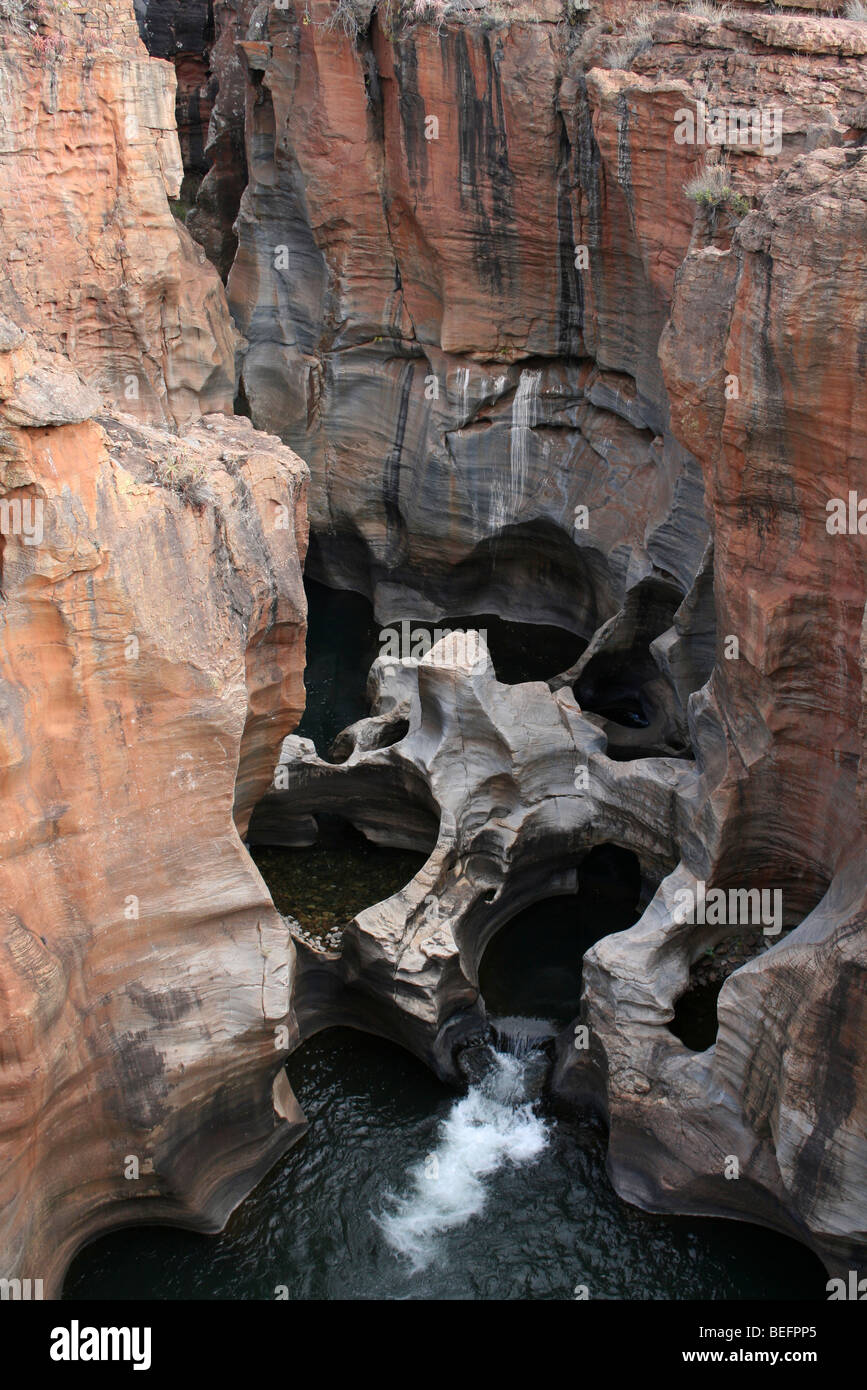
{"points": [[505, 502], [494, 1124], [522, 1036]]}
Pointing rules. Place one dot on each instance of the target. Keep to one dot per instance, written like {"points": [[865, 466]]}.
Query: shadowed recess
{"points": [[532, 966]]}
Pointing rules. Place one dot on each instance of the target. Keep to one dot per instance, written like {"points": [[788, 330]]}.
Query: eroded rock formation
{"points": [[422, 319], [462, 383], [483, 776], [531, 379], [151, 660], [94, 264], [201, 40], [152, 655]]}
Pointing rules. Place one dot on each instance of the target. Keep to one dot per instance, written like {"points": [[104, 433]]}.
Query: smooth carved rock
{"points": [[150, 664], [448, 261], [484, 779], [673, 307], [779, 735]]}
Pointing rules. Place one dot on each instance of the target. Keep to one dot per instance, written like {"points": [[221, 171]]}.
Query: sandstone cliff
{"points": [[506, 308], [531, 377], [151, 659], [94, 264]]}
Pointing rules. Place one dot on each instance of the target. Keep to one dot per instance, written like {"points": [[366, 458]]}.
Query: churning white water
{"points": [[495, 1123]]}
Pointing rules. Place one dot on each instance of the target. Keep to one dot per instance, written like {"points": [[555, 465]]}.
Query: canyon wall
{"points": [[531, 378], [151, 661], [505, 310], [419, 319], [200, 39], [94, 264]]}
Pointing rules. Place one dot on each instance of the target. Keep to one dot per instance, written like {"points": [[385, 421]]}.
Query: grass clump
{"points": [[185, 476], [636, 38], [351, 18], [704, 9], [711, 190], [345, 17]]}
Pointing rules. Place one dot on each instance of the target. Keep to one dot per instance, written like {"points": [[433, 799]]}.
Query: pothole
{"points": [[323, 886], [695, 1021], [532, 967], [519, 651]]}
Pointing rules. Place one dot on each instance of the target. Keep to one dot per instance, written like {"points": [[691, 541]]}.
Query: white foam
{"points": [[492, 1125]]}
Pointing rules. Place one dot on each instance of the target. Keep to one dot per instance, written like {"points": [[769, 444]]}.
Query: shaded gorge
{"points": [[406, 1188], [317, 1226], [532, 966]]}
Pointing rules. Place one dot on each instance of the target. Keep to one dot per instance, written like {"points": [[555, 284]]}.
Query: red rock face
{"points": [[788, 320], [153, 641], [727, 341], [416, 327], [420, 324], [93, 262], [464, 200], [762, 359]]}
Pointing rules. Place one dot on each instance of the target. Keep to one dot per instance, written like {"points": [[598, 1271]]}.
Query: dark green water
{"points": [[405, 1189], [547, 1223], [326, 884]]}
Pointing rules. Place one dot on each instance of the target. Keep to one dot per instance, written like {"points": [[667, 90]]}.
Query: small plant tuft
{"points": [[711, 190], [636, 38], [704, 9], [184, 476], [50, 46], [344, 17]]}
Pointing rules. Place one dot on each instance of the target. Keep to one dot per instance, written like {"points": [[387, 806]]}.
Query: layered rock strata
{"points": [[532, 378], [94, 264], [707, 355], [418, 327], [151, 661]]}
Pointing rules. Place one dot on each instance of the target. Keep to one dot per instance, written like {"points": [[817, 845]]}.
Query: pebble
{"points": [[330, 941]]}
